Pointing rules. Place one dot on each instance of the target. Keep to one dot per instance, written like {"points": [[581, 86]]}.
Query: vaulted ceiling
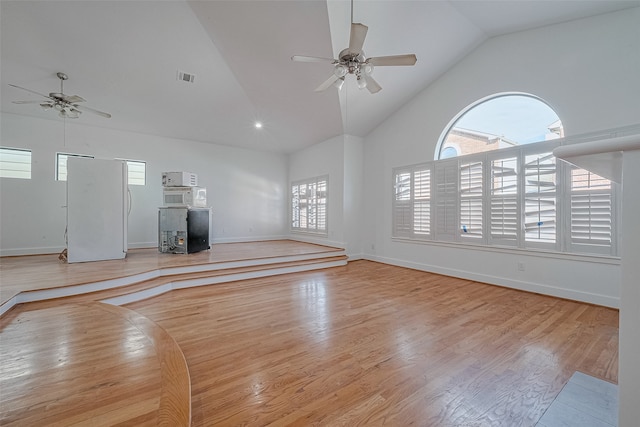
{"points": [[124, 57]]}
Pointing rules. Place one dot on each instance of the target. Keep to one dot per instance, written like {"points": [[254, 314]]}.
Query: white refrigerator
{"points": [[97, 209]]}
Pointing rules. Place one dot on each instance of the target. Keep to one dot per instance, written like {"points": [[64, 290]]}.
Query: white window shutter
{"points": [[471, 200], [402, 215], [446, 200], [309, 205], [422, 202], [540, 223], [504, 211], [591, 212]]}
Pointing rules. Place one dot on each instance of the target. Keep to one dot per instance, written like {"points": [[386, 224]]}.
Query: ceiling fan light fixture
{"points": [[367, 68], [339, 83], [340, 70], [362, 83], [65, 105]]}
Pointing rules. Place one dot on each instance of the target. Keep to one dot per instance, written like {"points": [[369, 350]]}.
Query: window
{"points": [[61, 164], [540, 199], [592, 213], [520, 198], [136, 169], [504, 216], [15, 163], [309, 205], [137, 172], [471, 199], [496, 182], [500, 121], [412, 207]]}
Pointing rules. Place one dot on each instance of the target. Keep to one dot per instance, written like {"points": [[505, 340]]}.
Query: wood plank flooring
{"points": [[37, 272], [90, 364], [373, 344]]}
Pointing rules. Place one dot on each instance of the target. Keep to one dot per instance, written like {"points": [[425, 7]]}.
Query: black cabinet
{"points": [[183, 230]]}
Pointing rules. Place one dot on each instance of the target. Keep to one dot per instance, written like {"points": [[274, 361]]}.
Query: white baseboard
{"points": [[316, 241], [539, 288], [31, 251]]}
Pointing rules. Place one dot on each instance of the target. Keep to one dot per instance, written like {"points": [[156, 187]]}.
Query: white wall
{"points": [[325, 158], [629, 375], [247, 189], [353, 197], [340, 158], [586, 70]]}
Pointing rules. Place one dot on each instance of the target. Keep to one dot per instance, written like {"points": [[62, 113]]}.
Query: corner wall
{"points": [[341, 159], [246, 189], [586, 70]]}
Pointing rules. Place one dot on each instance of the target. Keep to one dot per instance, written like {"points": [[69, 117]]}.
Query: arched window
{"points": [[499, 121], [495, 182]]}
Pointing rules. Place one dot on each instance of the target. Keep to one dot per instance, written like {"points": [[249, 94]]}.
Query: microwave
{"points": [[185, 196], [179, 179]]}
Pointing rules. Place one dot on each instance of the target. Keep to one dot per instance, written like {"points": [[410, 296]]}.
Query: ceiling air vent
{"points": [[186, 77]]}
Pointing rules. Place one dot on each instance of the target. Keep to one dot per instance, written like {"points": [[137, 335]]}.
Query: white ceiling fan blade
{"points": [[372, 85], [356, 39], [92, 110], [72, 99], [29, 90], [28, 102], [327, 83], [301, 58], [409, 59]]}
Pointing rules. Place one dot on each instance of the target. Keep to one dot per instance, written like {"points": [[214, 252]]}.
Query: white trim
{"points": [[51, 250], [216, 240], [315, 239], [183, 284], [603, 300]]}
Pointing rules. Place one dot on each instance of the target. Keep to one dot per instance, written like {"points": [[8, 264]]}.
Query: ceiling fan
{"points": [[66, 105], [353, 61]]}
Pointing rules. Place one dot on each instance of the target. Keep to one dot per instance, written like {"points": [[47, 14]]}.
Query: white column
{"points": [[629, 362]]}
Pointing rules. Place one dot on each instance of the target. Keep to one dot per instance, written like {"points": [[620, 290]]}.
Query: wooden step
{"points": [[147, 288]]}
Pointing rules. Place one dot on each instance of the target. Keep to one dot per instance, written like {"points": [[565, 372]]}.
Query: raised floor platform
{"points": [[145, 273]]}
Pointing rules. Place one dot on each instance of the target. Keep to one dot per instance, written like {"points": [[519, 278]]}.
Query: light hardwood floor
{"points": [[38, 272], [372, 344], [365, 344]]}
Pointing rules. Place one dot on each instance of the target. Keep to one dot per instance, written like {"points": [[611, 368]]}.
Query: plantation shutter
{"points": [[471, 194], [15, 163], [422, 202], [591, 213], [320, 205], [402, 205], [295, 206], [504, 223], [446, 200], [309, 205], [303, 204], [540, 200]]}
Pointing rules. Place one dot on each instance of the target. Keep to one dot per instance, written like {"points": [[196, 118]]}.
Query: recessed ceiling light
{"points": [[258, 125]]}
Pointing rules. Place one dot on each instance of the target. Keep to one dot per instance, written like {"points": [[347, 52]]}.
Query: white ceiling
{"points": [[123, 57]]}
